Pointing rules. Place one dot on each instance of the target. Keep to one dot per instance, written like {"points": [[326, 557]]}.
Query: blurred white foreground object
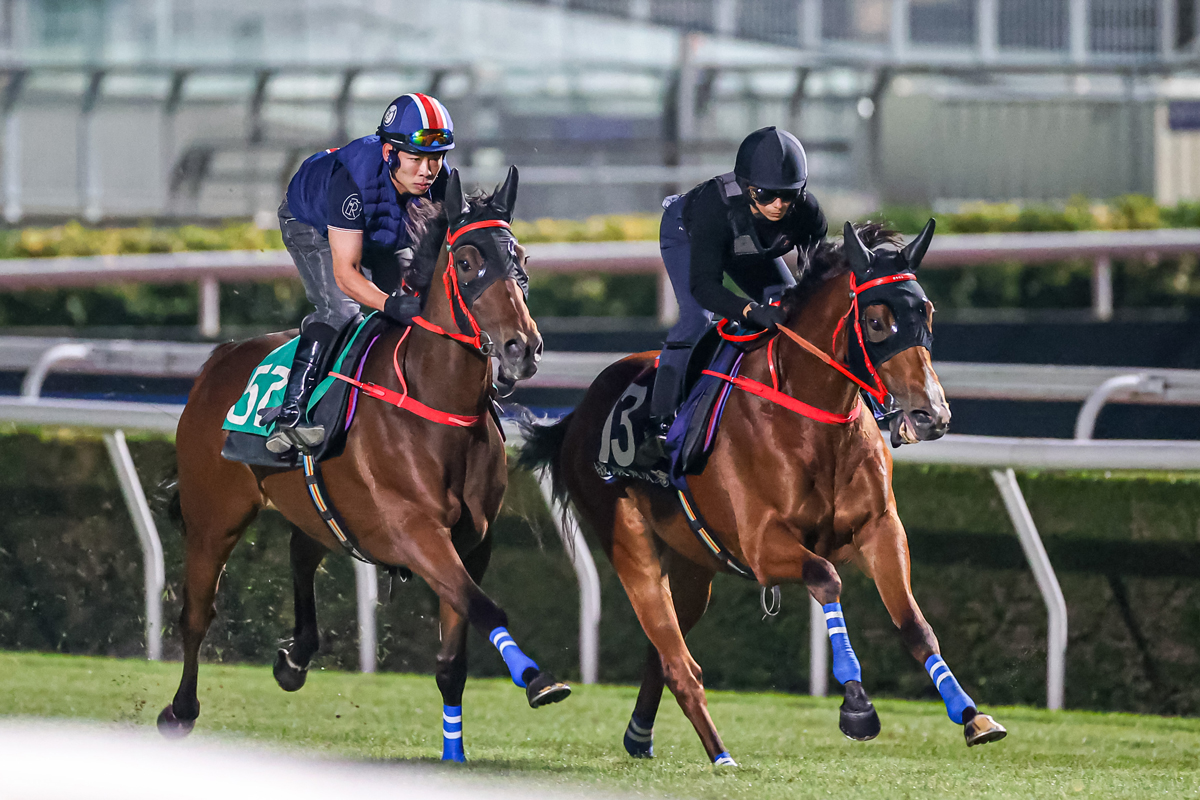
{"points": [[48, 761]]}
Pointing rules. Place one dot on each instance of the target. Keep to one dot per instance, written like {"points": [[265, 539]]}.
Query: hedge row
{"points": [[70, 581], [1163, 283]]}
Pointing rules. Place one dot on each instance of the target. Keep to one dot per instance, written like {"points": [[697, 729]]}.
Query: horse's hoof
{"points": [[858, 719], [982, 729], [639, 743], [544, 689], [289, 676], [171, 726]]}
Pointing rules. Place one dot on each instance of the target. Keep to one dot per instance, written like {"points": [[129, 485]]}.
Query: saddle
{"points": [[333, 403], [692, 434]]}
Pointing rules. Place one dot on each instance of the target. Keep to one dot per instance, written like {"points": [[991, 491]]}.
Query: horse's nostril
{"points": [[514, 348], [922, 419]]}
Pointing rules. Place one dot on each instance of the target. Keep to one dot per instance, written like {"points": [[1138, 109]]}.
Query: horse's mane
{"points": [[426, 227], [828, 261]]}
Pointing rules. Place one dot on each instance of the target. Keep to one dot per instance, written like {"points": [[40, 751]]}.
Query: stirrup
{"points": [[653, 449], [303, 437]]}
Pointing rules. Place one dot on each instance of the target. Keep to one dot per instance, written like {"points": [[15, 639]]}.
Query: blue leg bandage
{"points": [[516, 661], [452, 741], [845, 663], [957, 701], [639, 739]]}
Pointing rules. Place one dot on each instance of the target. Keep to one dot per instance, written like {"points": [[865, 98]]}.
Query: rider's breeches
{"points": [[314, 260], [763, 285]]}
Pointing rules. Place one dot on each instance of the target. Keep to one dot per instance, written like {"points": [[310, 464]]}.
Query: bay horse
{"points": [[798, 480], [417, 491]]}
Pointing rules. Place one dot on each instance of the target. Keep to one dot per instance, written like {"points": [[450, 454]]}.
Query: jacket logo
{"points": [[352, 207]]}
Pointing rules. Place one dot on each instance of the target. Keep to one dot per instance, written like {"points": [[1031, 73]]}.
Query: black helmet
{"points": [[771, 159]]}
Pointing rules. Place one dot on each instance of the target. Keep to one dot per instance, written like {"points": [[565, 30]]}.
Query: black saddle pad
{"points": [[334, 411]]}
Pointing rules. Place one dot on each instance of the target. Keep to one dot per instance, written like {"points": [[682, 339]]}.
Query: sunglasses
{"points": [[764, 197], [429, 137]]}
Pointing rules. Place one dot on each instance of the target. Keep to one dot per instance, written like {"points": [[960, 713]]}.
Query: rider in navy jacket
{"points": [[739, 224], [343, 222]]}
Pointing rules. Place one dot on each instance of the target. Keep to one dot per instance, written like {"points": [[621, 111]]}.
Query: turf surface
{"points": [[788, 746]]}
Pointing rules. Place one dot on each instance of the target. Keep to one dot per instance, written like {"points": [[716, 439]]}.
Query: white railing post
{"points": [[1102, 289], [818, 650], [901, 22], [810, 24], [589, 583], [210, 307], [1047, 582], [1078, 28], [366, 590], [668, 304], [987, 28], [1085, 423], [153, 567]]}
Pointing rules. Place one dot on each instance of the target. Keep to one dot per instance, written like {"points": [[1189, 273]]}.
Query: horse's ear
{"points": [[856, 252], [505, 198], [455, 205], [915, 250]]}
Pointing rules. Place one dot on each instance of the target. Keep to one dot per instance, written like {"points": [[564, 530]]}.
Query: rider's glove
{"points": [[765, 317], [401, 308]]}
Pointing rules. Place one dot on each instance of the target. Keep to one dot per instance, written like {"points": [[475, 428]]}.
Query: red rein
{"points": [[772, 393], [402, 399]]}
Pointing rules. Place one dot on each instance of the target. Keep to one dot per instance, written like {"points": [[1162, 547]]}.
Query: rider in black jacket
{"points": [[741, 224]]}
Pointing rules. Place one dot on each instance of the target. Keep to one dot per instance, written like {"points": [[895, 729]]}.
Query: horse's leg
{"points": [[785, 563], [636, 560], [211, 530], [430, 554], [884, 554], [452, 659], [291, 665], [691, 587]]}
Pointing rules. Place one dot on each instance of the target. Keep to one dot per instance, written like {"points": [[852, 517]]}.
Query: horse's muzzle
{"points": [[920, 425], [519, 357]]}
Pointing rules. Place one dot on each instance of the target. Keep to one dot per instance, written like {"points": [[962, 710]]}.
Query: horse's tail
{"points": [[168, 496], [543, 444]]}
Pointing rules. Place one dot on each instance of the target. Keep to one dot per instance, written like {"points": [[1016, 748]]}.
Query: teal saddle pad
{"points": [[332, 405]]}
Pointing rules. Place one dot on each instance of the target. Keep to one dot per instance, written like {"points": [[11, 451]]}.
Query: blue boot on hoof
{"points": [[452, 741], [724, 760], [639, 739]]}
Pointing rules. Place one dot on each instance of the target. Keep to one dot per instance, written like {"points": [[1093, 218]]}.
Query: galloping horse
{"points": [[416, 493], [798, 480]]}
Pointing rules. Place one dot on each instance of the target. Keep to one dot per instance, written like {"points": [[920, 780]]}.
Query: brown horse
{"points": [[416, 493], [787, 495]]}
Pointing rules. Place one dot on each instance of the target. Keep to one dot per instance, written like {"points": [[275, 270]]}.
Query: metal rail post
{"points": [[589, 583], [1085, 423], [1047, 581], [210, 307], [1102, 289], [31, 385], [143, 521], [818, 650], [366, 588]]}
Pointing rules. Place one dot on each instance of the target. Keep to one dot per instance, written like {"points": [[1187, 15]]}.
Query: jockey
{"points": [[343, 223], [741, 224]]}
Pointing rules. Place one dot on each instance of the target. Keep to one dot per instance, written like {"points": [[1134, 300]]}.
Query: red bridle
{"points": [[772, 393], [402, 399]]}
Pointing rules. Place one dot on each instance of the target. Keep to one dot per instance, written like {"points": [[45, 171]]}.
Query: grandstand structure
{"points": [[133, 109]]}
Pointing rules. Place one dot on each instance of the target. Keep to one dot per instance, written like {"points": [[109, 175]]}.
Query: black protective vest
{"points": [[746, 241]]}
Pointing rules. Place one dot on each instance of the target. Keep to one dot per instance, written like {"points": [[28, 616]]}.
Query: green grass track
{"points": [[788, 746]]}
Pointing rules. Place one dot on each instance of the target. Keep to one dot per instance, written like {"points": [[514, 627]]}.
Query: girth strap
{"points": [[710, 542], [319, 495]]}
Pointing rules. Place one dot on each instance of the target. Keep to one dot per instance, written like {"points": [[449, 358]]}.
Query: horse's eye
{"points": [[463, 264]]}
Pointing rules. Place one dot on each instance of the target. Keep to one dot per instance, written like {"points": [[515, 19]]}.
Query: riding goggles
{"points": [[764, 197], [428, 137]]}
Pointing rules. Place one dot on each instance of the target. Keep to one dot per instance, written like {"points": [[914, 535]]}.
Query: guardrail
{"points": [[1000, 454], [208, 269]]}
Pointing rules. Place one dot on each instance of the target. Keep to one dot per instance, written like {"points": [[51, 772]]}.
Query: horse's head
{"points": [[489, 266], [896, 321]]}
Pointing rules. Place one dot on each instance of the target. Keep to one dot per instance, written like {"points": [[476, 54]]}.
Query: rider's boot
{"points": [[664, 400], [292, 427]]}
